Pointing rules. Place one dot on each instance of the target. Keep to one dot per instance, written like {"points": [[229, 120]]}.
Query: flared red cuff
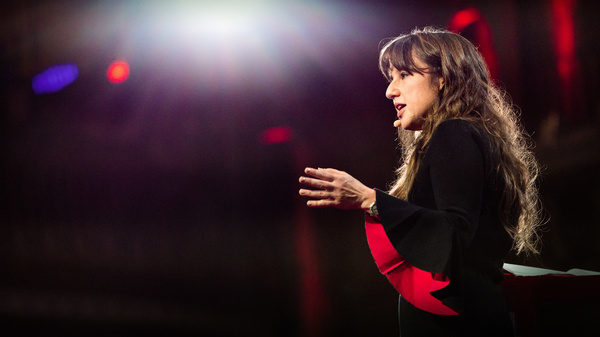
{"points": [[414, 284]]}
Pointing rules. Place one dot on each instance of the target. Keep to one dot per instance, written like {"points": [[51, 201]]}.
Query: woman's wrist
{"points": [[369, 201]]}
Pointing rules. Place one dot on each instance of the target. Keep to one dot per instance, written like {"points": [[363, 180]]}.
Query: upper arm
{"points": [[457, 174]]}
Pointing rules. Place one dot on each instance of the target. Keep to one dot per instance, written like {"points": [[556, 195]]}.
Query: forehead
{"points": [[412, 64], [403, 57]]}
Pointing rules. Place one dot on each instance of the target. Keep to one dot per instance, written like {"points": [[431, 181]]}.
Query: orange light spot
{"points": [[118, 71]]}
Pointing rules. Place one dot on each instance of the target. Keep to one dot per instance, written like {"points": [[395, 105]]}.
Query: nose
{"points": [[392, 91]]}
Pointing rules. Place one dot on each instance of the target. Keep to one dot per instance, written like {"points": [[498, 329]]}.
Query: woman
{"points": [[465, 192]]}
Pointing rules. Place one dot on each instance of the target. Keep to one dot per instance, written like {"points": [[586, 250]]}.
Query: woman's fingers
{"points": [[321, 194], [320, 173], [322, 178], [322, 182], [320, 203], [321, 198], [318, 183], [333, 188]]}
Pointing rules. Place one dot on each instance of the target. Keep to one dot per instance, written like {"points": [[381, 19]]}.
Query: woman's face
{"points": [[413, 96]]}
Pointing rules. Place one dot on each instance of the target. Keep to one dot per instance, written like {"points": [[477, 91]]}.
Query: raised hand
{"points": [[334, 188]]}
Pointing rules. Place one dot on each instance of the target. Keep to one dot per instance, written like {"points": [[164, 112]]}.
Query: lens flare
{"points": [[54, 78], [118, 72]]}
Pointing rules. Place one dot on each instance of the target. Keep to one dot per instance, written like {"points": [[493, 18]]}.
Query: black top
{"points": [[451, 222]]}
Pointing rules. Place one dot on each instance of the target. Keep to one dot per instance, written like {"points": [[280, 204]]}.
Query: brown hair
{"points": [[468, 94]]}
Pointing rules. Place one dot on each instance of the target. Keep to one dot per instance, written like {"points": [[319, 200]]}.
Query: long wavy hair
{"points": [[469, 94]]}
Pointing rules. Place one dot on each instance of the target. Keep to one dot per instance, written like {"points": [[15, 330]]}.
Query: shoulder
{"points": [[458, 138], [456, 125], [456, 130]]}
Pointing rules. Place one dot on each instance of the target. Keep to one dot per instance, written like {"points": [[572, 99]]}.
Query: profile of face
{"points": [[413, 95]]}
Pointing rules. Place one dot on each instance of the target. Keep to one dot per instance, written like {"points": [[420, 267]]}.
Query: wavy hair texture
{"points": [[468, 94]]}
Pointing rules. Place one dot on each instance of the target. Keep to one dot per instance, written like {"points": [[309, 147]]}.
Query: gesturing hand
{"points": [[336, 189]]}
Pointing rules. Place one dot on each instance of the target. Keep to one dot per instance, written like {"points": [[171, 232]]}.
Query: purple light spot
{"points": [[54, 78]]}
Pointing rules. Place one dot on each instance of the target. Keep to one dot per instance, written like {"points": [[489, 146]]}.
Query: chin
{"points": [[413, 127]]}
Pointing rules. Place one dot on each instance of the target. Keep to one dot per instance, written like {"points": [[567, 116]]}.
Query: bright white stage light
{"points": [[203, 19], [217, 45]]}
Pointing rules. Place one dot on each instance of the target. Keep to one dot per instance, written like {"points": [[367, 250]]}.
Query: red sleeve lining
{"points": [[414, 284]]}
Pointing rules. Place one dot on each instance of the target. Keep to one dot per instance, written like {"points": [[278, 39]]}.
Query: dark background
{"points": [[153, 206]]}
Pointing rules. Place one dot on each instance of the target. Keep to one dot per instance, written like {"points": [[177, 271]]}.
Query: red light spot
{"points": [[118, 72], [563, 14], [463, 18], [280, 134], [483, 35], [564, 36]]}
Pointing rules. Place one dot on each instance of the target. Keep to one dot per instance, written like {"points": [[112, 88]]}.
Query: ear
{"points": [[441, 86]]}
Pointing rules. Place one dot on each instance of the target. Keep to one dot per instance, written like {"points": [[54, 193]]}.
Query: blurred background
{"points": [[151, 151]]}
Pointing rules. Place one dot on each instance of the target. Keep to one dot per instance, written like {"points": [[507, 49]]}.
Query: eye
{"points": [[404, 74]]}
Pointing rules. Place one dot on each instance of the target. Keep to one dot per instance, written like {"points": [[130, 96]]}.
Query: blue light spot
{"points": [[54, 78]]}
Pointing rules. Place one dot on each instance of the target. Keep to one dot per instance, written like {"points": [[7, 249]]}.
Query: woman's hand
{"points": [[336, 189]]}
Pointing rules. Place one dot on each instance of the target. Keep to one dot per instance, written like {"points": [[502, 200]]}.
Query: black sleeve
{"points": [[430, 238]]}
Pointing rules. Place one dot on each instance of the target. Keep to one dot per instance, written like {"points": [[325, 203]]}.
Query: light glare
{"points": [[118, 71]]}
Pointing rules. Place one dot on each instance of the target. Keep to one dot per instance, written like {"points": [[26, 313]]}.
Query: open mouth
{"points": [[399, 108]]}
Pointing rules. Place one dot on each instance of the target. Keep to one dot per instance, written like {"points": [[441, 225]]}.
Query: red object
{"points": [[463, 18], [118, 72], [564, 49], [483, 35], [280, 134], [564, 37], [414, 284]]}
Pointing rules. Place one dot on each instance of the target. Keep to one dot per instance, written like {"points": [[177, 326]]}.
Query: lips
{"points": [[399, 107]]}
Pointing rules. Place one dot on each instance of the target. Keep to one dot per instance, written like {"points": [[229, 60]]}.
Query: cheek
{"points": [[424, 101], [430, 98]]}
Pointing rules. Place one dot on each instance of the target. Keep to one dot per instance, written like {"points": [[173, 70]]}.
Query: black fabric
{"points": [[450, 223], [490, 319]]}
